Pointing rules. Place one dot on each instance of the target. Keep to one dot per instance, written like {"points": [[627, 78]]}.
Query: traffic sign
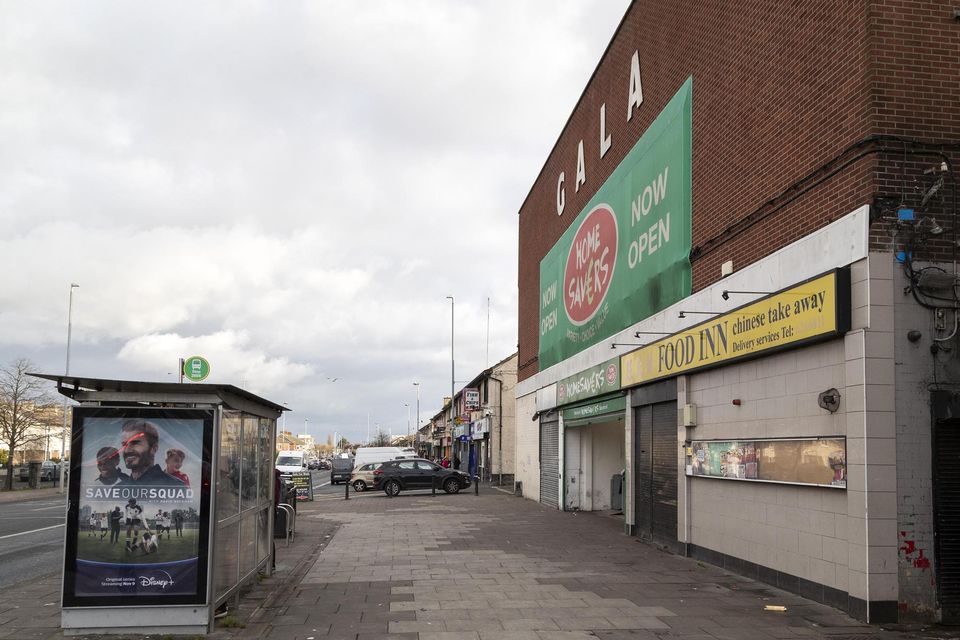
{"points": [[196, 369]]}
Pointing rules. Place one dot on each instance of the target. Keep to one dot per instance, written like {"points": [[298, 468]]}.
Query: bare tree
{"points": [[381, 439], [25, 408]]}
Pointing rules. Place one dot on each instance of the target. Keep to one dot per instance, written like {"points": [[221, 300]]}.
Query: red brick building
{"points": [[799, 141]]}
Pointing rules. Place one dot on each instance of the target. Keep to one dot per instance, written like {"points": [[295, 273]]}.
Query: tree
{"points": [[381, 439], [25, 407]]}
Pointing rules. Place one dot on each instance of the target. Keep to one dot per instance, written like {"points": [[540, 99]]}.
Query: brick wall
{"points": [[782, 94]]}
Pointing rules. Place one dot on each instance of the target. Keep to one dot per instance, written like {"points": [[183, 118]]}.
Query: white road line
{"points": [[23, 533], [56, 506]]}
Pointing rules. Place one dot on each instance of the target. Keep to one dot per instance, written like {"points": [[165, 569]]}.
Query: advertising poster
{"points": [[819, 461], [138, 506], [303, 483]]}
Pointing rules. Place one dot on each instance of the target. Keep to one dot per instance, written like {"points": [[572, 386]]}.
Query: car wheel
{"points": [[359, 486], [392, 488], [451, 485]]}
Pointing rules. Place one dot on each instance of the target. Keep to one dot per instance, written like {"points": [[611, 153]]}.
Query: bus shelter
{"points": [[170, 503]]}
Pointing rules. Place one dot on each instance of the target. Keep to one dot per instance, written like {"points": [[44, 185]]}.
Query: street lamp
{"points": [[451, 378], [407, 405], [66, 372], [417, 385]]}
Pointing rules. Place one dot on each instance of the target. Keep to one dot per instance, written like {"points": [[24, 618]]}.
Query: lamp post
{"points": [[417, 385], [66, 372], [407, 405], [452, 369]]}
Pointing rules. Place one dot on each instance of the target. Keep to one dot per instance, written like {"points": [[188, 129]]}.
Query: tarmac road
{"points": [[31, 539]]}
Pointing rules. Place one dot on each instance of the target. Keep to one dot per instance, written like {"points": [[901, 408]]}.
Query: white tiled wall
{"points": [[528, 447]]}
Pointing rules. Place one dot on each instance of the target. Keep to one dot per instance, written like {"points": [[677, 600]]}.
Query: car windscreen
{"points": [[288, 461]]}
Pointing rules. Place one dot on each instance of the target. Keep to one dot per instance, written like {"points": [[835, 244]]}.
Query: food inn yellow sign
{"points": [[810, 311]]}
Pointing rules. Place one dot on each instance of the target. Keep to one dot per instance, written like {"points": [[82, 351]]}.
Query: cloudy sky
{"points": [[289, 189]]}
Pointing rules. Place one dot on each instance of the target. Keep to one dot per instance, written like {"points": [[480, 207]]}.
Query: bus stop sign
{"points": [[196, 369]]}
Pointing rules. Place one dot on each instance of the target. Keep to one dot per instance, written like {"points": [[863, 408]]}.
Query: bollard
{"points": [[476, 485], [433, 485], [346, 490]]}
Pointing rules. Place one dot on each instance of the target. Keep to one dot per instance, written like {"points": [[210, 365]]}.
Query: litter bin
{"points": [[34, 474], [288, 495], [616, 492]]}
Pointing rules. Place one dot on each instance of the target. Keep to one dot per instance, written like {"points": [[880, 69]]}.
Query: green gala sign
{"points": [[627, 255]]}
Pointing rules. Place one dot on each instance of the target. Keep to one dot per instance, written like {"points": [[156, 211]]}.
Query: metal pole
{"points": [[452, 369], [417, 385], [66, 372], [407, 405]]}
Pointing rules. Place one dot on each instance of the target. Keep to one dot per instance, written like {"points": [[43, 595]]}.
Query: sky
{"points": [[288, 189]]}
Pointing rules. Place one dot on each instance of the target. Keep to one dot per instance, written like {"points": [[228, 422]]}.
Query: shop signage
{"points": [[626, 256], [590, 383], [302, 482], [610, 405], [471, 399], [479, 428], [814, 310]]}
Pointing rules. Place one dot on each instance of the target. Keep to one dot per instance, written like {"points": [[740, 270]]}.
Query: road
{"points": [[31, 539], [32, 533]]}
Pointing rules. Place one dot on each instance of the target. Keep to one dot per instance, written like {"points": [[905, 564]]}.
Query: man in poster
{"points": [[140, 444]]}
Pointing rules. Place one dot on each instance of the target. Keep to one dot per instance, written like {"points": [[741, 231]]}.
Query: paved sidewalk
{"points": [[484, 568]]}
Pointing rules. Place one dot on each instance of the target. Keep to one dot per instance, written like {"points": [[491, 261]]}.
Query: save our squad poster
{"points": [[139, 525]]}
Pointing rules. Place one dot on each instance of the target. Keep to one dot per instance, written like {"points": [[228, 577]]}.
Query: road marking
{"points": [[23, 533], [56, 506], [317, 486]]}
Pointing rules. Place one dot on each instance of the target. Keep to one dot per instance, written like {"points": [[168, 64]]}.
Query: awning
{"points": [[611, 408]]}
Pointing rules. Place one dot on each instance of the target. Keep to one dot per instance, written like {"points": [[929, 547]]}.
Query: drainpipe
{"points": [[499, 430]]}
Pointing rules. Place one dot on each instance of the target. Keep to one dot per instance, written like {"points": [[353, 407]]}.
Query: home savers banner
{"points": [[626, 256]]}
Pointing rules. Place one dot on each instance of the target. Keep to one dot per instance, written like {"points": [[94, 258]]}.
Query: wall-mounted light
{"points": [[726, 293], [737, 402], [683, 314], [637, 334], [614, 345]]}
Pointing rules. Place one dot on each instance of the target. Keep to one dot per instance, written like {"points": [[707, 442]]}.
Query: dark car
{"points": [[395, 476], [342, 468]]}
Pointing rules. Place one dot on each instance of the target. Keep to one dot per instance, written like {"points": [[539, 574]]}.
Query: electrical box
{"points": [[726, 268], [689, 415]]}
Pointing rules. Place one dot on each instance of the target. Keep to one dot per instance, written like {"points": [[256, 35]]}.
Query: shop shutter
{"points": [[946, 496], [550, 460], [663, 520]]}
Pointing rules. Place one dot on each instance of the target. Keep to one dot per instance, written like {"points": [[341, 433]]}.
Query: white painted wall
{"points": [[528, 447]]}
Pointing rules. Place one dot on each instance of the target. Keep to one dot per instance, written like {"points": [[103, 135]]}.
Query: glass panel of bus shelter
{"points": [[228, 466], [248, 466]]}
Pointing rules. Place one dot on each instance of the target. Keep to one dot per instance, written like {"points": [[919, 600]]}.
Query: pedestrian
{"points": [[116, 516], [178, 522], [445, 463], [456, 462]]}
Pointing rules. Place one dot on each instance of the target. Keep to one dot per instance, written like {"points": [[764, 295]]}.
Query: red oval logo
{"points": [[590, 263]]}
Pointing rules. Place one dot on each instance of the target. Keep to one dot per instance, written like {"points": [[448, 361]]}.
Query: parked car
{"points": [[362, 476], [395, 476], [325, 465], [48, 471], [342, 468]]}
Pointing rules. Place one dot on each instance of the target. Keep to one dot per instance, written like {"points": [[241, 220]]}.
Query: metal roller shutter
{"points": [[663, 519], [550, 461], [946, 496]]}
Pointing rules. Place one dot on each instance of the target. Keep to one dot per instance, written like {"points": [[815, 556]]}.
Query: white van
{"points": [[365, 455], [291, 462]]}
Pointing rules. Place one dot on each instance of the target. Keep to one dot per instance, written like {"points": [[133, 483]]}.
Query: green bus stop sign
{"points": [[196, 369]]}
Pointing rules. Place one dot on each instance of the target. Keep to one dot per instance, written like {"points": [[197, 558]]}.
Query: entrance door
{"points": [[572, 470]]}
